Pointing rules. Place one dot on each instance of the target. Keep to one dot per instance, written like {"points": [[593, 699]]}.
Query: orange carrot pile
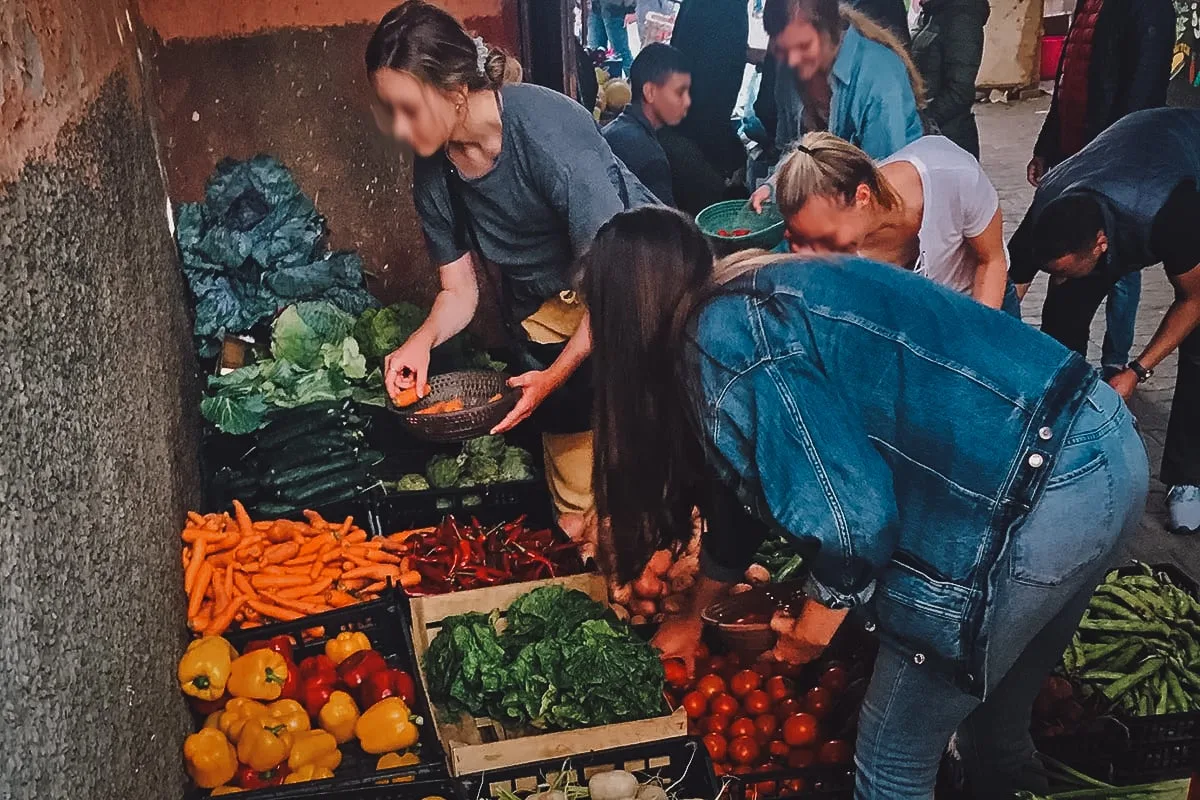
{"points": [[240, 573]]}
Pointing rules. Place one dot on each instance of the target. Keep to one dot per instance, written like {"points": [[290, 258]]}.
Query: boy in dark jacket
{"points": [[947, 48]]}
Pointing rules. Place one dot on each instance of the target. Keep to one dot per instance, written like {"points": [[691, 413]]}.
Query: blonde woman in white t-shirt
{"points": [[928, 208]]}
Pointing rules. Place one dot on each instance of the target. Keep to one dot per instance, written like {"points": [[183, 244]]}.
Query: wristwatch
{"points": [[1142, 373]]}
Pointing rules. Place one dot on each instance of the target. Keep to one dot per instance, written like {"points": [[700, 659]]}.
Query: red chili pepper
{"points": [[358, 667], [282, 644]]}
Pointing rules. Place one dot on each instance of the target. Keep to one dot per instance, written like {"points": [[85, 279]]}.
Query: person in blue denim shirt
{"points": [[841, 72], [963, 478]]}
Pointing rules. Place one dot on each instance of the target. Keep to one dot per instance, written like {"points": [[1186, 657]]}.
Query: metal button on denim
{"points": [[1036, 460], [869, 627], [919, 659], [1045, 434]]}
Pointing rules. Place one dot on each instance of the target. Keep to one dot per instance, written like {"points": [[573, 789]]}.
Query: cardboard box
{"points": [[479, 745]]}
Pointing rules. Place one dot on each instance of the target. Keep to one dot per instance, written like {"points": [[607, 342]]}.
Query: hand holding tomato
{"points": [[679, 637]]}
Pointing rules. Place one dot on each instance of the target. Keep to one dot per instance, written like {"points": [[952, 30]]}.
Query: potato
{"points": [[741, 588], [757, 573], [637, 619], [644, 608], [681, 584], [649, 587], [660, 562], [621, 612], [620, 594]]}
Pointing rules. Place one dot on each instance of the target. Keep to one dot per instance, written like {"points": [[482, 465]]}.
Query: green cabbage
{"points": [[412, 483], [483, 469], [444, 471], [490, 446], [301, 331]]}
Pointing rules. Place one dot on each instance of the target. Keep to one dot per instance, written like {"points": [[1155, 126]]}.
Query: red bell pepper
{"points": [[319, 666], [293, 684], [248, 779], [319, 680], [387, 683], [281, 644], [358, 667]]}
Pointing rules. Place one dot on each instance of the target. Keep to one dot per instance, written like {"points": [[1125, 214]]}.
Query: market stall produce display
{"points": [[483, 461], [240, 573], [662, 586], [455, 556]]}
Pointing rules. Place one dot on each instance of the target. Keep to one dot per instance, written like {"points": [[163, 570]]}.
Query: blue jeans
{"points": [[1042, 583], [606, 28], [1012, 303], [1120, 316]]}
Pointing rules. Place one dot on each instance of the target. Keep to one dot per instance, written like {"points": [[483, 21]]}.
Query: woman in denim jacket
{"points": [[965, 477]]}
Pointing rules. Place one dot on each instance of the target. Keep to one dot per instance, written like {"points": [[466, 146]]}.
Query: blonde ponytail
{"points": [[822, 165]]}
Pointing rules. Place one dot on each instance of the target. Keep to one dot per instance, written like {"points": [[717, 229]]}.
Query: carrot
{"points": [[356, 535], [228, 542], [355, 560], [281, 552], [262, 525], [316, 520], [297, 605], [382, 558], [301, 561], [248, 542], [229, 587], [378, 572], [251, 624], [243, 519], [220, 596], [315, 544], [376, 588], [339, 599], [306, 589], [242, 583], [277, 581], [196, 519], [253, 566], [221, 622], [189, 577], [410, 578], [315, 632], [199, 622], [352, 585], [196, 596], [318, 566], [273, 611], [187, 558], [406, 397]]}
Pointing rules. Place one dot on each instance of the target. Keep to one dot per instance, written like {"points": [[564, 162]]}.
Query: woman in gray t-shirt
{"points": [[518, 175]]}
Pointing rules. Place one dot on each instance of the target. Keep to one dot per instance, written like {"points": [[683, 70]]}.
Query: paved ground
{"points": [[1007, 133]]}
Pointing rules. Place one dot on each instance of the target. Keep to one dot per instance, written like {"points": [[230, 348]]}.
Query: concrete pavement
{"points": [[1007, 133]]}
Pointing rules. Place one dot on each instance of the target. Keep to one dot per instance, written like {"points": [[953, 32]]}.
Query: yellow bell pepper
{"points": [[259, 675], [211, 759], [338, 716], [345, 645], [264, 745], [289, 713], [310, 772], [318, 748], [396, 760], [386, 726], [238, 712], [226, 789], [204, 668], [213, 720]]}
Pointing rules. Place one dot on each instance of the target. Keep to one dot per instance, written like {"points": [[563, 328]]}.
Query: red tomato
{"points": [[710, 685], [764, 668], [835, 679], [766, 725], [676, 673], [793, 787], [779, 687], [720, 769], [717, 746], [818, 702], [743, 751], [742, 726], [757, 702], [787, 707], [745, 682], [717, 723], [778, 748], [801, 759], [800, 730], [723, 704], [695, 704], [766, 789], [836, 751]]}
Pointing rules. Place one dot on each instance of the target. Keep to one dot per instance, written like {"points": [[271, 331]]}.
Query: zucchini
{"points": [[353, 476], [308, 453], [309, 410], [335, 496], [271, 439], [276, 478]]}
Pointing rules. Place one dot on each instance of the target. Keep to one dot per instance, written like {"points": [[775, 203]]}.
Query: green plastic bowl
{"points": [[766, 229]]}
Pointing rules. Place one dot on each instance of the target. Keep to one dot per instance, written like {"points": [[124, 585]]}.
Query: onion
{"points": [[660, 562], [637, 619], [643, 608], [741, 588], [616, 784], [757, 573], [620, 594], [651, 791], [649, 587], [621, 612]]}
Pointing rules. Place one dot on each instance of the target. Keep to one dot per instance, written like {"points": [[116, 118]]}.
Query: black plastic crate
{"points": [[815, 781], [368, 787], [386, 624], [682, 764], [491, 505]]}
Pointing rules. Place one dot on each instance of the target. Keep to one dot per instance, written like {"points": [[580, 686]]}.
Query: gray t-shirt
{"points": [[555, 182]]}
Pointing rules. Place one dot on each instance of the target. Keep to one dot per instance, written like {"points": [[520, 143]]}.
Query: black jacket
{"points": [[947, 47], [1129, 69], [891, 14]]}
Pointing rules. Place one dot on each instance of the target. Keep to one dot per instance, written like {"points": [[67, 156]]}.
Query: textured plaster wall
{"points": [[1011, 46], [97, 422]]}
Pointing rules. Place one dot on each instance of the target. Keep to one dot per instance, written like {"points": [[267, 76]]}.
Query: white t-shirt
{"points": [[960, 202]]}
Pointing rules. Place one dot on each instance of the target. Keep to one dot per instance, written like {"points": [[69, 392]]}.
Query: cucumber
{"points": [[288, 416], [308, 452], [272, 438], [353, 476], [335, 496], [276, 478]]}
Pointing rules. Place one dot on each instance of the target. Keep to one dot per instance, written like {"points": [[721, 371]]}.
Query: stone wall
{"points": [[98, 426]]}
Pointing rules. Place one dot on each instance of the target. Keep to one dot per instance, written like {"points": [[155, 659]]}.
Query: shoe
{"points": [[1183, 510]]}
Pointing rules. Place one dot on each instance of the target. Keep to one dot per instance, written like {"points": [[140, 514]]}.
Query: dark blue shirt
{"points": [[633, 140]]}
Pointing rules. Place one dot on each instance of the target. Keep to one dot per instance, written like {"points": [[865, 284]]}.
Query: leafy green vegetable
{"points": [[562, 662], [490, 446], [379, 331], [236, 415], [483, 469], [412, 483], [515, 468], [299, 333], [444, 471]]}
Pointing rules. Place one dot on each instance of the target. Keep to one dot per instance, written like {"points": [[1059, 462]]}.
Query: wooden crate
{"points": [[479, 745]]}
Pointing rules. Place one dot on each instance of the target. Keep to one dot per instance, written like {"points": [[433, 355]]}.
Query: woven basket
{"points": [[766, 229], [478, 418]]}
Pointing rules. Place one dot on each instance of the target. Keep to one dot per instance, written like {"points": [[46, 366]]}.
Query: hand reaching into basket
{"points": [[407, 367]]}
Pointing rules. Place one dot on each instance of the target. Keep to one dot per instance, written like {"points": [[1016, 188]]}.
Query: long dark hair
{"points": [[432, 46], [643, 277]]}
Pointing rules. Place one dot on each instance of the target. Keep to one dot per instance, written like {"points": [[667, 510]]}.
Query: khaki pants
{"points": [[568, 456]]}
